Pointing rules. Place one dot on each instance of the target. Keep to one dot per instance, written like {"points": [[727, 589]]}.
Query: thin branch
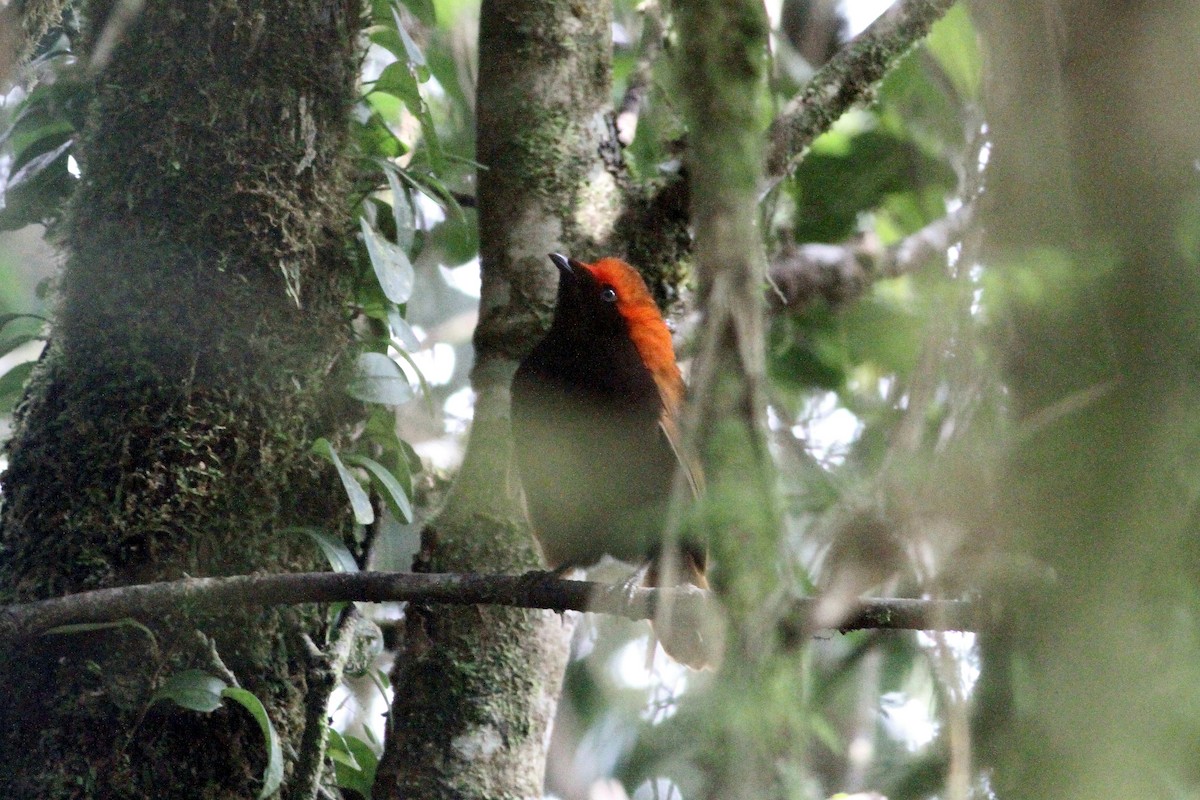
{"points": [[848, 78], [147, 602], [840, 274], [638, 85]]}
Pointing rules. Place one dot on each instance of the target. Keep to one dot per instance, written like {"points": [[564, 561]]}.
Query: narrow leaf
{"points": [[273, 774], [393, 493], [416, 58], [402, 210], [36, 165], [359, 501], [88, 627], [335, 550]]}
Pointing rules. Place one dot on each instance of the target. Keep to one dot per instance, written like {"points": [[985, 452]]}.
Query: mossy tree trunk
{"points": [[1091, 217], [721, 69], [477, 688], [194, 357]]}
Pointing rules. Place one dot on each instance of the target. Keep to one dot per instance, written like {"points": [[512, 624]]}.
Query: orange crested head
{"points": [[646, 326]]}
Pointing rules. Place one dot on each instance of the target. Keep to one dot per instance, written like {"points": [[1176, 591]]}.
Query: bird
{"points": [[596, 435]]}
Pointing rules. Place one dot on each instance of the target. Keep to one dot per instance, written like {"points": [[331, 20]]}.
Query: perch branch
{"points": [[147, 602]]}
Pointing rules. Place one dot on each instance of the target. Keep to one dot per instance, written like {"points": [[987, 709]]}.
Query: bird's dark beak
{"points": [[562, 262], [566, 266]]}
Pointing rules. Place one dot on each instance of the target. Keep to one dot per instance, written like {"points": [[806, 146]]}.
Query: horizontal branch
{"points": [[148, 602], [848, 78]]}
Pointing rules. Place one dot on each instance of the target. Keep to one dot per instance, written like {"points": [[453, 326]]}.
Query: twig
{"points": [[847, 79], [535, 590]]}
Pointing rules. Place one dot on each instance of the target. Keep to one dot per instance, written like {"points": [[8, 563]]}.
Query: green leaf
{"points": [[192, 689], [12, 382], [422, 10], [952, 41], [379, 380], [37, 165], [392, 267], [339, 752], [335, 550], [273, 774], [12, 317], [425, 392], [397, 80], [416, 59], [361, 777], [88, 627], [402, 209], [402, 331], [374, 137], [393, 493], [360, 502], [436, 191]]}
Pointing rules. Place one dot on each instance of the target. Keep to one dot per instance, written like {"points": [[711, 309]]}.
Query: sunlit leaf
{"points": [[953, 43], [392, 267]]}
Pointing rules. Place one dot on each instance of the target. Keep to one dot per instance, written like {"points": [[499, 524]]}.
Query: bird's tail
{"points": [[690, 633]]}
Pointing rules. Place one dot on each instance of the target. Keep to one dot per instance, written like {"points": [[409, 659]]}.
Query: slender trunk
{"points": [[721, 67], [165, 431], [477, 688]]}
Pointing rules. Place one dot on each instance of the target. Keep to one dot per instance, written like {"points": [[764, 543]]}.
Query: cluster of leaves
{"points": [[413, 141]]}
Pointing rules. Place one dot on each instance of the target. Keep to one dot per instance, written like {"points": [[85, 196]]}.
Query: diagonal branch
{"points": [[840, 274], [152, 601], [848, 78]]}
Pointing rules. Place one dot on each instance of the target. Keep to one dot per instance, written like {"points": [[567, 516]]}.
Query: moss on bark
{"points": [[166, 430]]}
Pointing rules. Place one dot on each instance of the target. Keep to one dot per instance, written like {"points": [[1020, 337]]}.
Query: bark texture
{"points": [[165, 431], [477, 688]]}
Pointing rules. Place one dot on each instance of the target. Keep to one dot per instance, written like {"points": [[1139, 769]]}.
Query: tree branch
{"points": [[840, 274], [848, 78], [151, 601]]}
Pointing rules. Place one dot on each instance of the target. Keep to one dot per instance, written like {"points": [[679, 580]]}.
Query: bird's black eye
{"points": [[608, 294]]}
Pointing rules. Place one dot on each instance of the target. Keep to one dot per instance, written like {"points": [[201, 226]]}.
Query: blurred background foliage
{"points": [[887, 409]]}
